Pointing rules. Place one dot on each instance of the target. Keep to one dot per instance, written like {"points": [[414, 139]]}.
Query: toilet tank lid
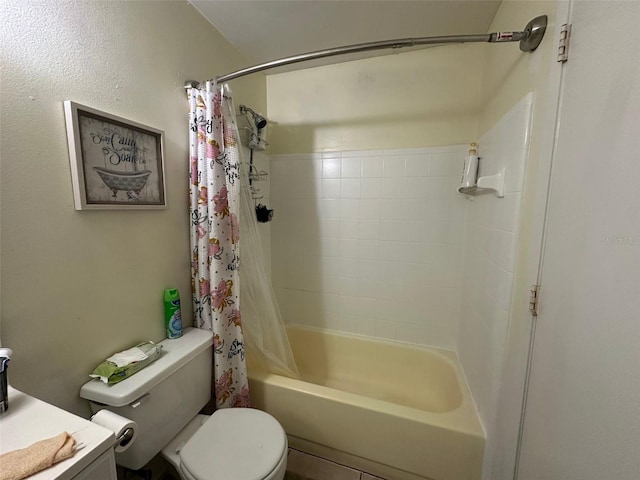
{"points": [[175, 353]]}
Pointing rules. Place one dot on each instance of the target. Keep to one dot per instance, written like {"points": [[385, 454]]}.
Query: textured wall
{"points": [[77, 286], [426, 97]]}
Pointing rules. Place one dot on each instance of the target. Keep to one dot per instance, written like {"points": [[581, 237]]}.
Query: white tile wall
{"points": [[261, 164], [371, 242], [491, 241]]}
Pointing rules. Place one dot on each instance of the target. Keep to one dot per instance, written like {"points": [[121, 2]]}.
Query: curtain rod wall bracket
{"points": [[529, 40], [534, 32]]}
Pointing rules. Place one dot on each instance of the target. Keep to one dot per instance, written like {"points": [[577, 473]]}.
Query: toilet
{"points": [[164, 400]]}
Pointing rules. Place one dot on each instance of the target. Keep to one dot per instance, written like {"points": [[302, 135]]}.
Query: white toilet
{"points": [[164, 400]]}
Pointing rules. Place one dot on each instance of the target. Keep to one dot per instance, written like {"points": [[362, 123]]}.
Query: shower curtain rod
{"points": [[529, 39]]}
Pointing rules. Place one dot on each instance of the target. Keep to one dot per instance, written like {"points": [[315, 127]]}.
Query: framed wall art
{"points": [[115, 163]]}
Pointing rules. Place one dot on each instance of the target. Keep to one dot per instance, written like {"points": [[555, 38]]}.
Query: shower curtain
{"points": [[264, 330], [215, 211]]}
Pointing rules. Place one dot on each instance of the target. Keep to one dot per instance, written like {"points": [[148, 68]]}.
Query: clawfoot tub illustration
{"points": [[126, 181]]}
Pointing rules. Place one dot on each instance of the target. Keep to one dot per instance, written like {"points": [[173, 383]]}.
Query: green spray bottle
{"points": [[172, 315]]}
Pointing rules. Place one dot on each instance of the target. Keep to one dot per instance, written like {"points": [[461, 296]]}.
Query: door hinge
{"points": [[534, 296], [563, 45]]}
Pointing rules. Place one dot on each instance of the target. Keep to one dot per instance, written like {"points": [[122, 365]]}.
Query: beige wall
{"points": [[419, 98], [77, 286], [507, 73]]}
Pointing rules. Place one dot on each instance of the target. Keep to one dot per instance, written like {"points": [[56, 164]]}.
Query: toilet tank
{"points": [[161, 398]]}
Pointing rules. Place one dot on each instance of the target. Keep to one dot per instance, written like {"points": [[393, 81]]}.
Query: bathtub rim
{"points": [[463, 419]]}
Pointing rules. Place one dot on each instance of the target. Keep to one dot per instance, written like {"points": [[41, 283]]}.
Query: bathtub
{"points": [[394, 410]]}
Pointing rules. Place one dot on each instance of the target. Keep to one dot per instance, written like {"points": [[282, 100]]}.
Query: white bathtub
{"points": [[391, 409]]}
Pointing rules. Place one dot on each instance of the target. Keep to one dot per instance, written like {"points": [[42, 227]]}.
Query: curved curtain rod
{"points": [[529, 39]]}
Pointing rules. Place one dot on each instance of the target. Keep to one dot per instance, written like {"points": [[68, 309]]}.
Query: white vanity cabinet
{"points": [[29, 420], [103, 468]]}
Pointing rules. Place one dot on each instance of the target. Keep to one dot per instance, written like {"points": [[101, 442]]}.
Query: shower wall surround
{"points": [[379, 243], [371, 242], [491, 241]]}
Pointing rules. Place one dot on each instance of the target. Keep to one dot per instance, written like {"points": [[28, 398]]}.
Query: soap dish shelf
{"points": [[488, 184]]}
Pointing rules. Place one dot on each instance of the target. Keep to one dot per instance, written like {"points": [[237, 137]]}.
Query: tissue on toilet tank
{"points": [[124, 364]]}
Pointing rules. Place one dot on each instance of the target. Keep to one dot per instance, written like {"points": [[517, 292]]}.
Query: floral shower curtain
{"points": [[214, 209]]}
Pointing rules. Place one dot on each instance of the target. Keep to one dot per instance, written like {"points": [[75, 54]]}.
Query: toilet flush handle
{"points": [[140, 401]]}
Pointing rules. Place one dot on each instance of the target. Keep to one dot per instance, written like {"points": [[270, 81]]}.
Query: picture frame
{"points": [[116, 164]]}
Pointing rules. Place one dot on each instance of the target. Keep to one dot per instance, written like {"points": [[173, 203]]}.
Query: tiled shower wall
{"points": [[262, 194], [371, 242], [492, 234]]}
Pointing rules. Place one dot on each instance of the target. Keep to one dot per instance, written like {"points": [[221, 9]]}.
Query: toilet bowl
{"points": [[164, 400], [202, 447]]}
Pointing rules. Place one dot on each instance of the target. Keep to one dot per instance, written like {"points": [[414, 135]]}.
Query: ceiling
{"points": [[264, 30]]}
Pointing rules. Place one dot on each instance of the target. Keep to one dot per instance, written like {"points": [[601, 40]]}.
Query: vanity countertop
{"points": [[29, 420]]}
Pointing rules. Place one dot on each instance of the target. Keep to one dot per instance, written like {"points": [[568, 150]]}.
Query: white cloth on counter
{"points": [[127, 357]]}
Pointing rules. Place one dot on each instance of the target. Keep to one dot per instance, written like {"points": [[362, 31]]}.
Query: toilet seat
{"points": [[235, 443]]}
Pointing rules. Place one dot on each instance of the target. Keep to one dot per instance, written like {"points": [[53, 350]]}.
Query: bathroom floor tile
{"points": [[302, 466]]}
